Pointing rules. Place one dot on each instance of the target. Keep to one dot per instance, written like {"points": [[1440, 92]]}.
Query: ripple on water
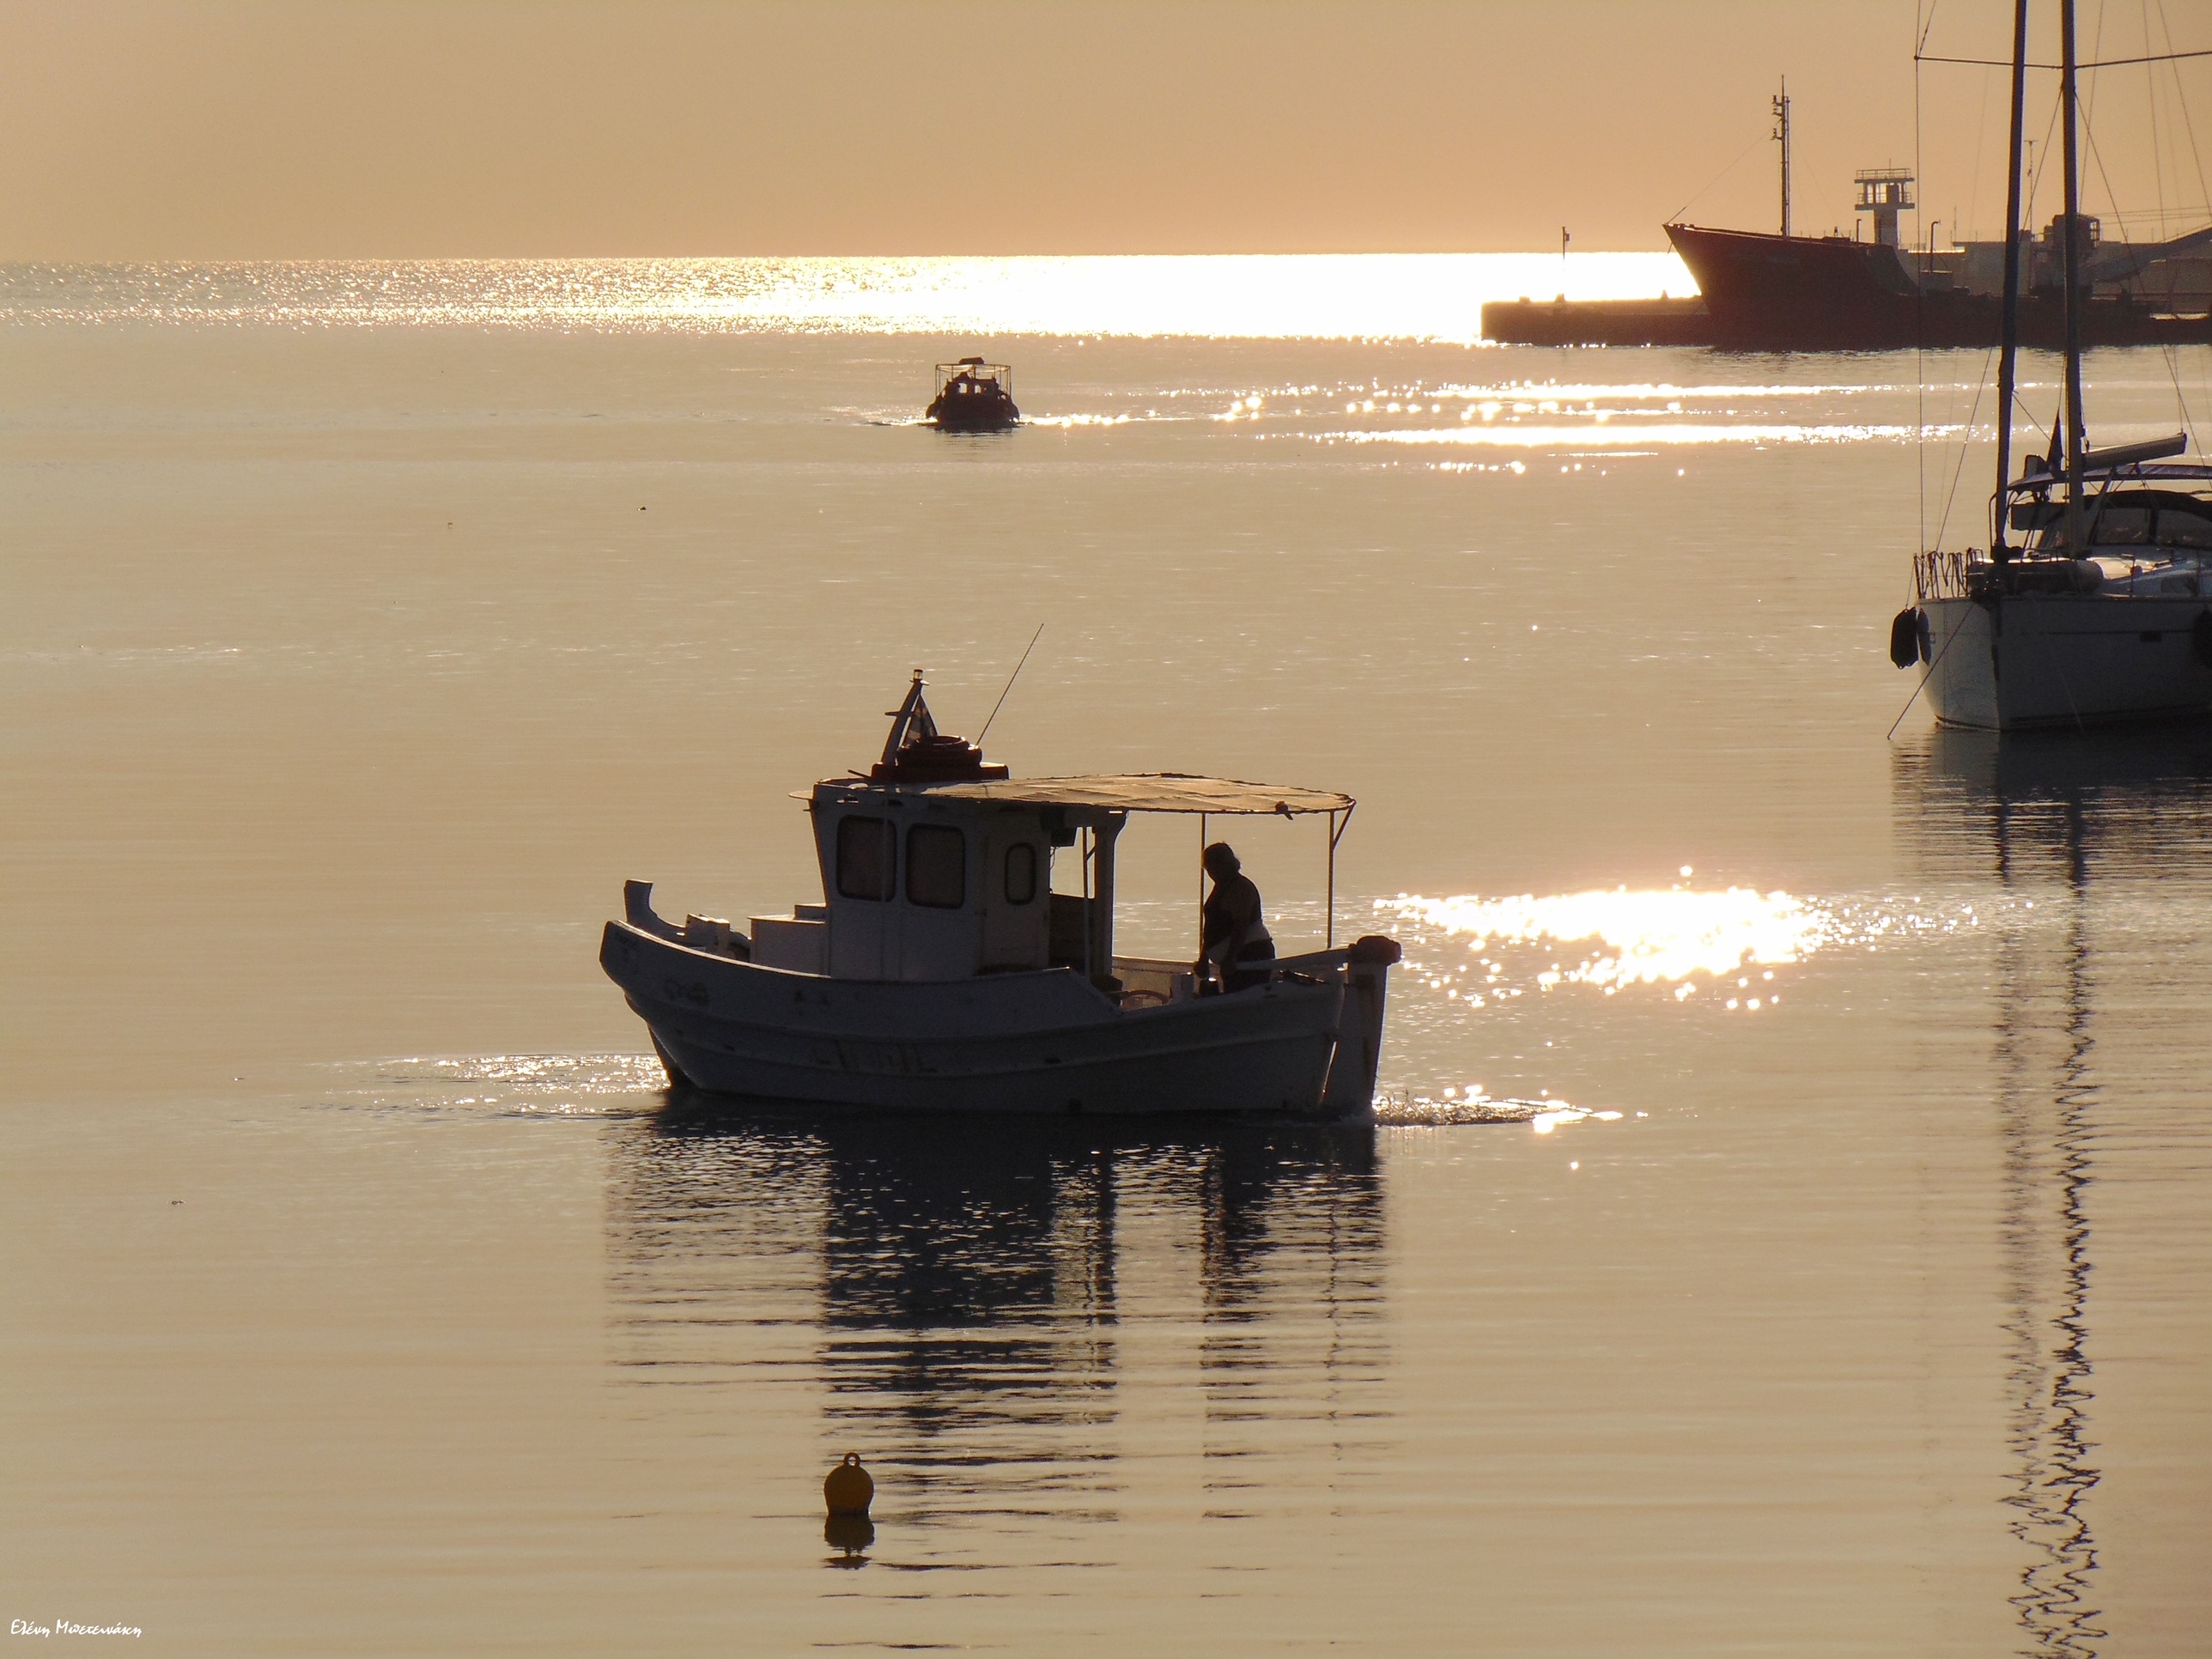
{"points": [[507, 1085], [1475, 1106]]}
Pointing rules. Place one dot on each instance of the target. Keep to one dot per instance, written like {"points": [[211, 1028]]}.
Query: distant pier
{"points": [[1564, 322], [1939, 320]]}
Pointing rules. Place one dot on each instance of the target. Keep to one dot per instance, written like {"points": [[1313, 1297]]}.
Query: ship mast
{"points": [[1782, 133], [2073, 207], [2008, 349]]}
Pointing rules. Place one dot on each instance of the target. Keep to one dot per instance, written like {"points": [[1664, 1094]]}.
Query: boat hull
{"points": [[2023, 661], [973, 414], [1010, 1043]]}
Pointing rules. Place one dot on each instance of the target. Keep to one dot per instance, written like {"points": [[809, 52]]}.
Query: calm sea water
{"points": [[1787, 1224]]}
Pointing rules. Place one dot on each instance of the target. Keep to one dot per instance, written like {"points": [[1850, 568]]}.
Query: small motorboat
{"points": [[973, 396], [940, 972]]}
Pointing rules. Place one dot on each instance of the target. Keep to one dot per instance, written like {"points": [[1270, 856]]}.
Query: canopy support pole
{"points": [[1103, 836], [1335, 835], [1083, 850], [1202, 885], [1329, 933]]}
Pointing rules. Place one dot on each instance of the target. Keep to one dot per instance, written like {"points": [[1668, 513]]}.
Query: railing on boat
{"points": [[1971, 574], [1148, 982], [1949, 573]]}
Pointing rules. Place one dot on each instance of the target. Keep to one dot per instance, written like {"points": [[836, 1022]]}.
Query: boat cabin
{"points": [[936, 865], [971, 377], [2141, 529], [2125, 518]]}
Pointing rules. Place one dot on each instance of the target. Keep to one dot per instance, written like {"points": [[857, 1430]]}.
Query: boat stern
{"points": [[1358, 1055]]}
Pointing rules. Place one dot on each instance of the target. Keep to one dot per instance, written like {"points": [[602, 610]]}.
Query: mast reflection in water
{"points": [[2053, 819], [996, 1313]]}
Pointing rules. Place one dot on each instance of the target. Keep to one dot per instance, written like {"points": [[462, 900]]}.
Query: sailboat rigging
{"points": [[2104, 611]]}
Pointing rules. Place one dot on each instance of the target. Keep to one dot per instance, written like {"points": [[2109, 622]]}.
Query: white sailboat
{"points": [[2103, 612]]}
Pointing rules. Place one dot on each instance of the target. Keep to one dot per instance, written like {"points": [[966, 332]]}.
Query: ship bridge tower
{"points": [[1885, 193]]}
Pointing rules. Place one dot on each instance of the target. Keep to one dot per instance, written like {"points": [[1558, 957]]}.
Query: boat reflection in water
{"points": [[2073, 828], [996, 1315]]}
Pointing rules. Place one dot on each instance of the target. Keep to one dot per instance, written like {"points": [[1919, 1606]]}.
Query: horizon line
{"points": [[113, 260]]}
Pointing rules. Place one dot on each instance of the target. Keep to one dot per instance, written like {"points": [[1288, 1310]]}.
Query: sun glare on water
{"points": [[1731, 941], [1642, 938], [1414, 296], [1480, 973]]}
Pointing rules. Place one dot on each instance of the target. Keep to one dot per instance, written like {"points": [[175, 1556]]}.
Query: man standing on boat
{"points": [[1234, 934]]}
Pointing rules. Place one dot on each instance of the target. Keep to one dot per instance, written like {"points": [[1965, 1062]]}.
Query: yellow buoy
{"points": [[848, 1489]]}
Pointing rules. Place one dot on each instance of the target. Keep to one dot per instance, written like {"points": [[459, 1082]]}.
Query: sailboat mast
{"points": [[2074, 422], [2008, 350]]}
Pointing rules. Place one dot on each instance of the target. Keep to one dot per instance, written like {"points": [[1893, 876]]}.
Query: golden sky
{"points": [[419, 127]]}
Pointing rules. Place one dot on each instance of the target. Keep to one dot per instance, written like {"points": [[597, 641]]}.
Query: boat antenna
{"points": [[2008, 347], [1010, 678]]}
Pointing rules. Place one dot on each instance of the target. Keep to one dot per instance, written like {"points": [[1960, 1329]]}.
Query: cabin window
{"points": [[867, 858], [2121, 527], [936, 866], [2178, 529], [1021, 873]]}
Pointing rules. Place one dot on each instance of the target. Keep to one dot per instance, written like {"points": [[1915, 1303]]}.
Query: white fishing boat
{"points": [[940, 972], [2104, 611]]}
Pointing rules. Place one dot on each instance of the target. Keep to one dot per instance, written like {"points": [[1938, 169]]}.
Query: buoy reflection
{"points": [[850, 1535]]}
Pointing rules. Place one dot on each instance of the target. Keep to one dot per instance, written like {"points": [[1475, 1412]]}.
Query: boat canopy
{"points": [[2101, 468], [1153, 792], [977, 370]]}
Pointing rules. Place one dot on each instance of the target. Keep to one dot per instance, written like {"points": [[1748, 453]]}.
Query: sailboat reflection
{"points": [[2046, 816], [957, 1300]]}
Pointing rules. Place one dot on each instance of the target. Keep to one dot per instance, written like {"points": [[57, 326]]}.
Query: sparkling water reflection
{"points": [[1312, 296], [1599, 435], [1675, 934]]}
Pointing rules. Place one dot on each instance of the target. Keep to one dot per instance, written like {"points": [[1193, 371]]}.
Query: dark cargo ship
{"points": [[1768, 293], [1760, 291]]}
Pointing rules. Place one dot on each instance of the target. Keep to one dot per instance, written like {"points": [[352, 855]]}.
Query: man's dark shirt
{"points": [[1232, 917]]}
